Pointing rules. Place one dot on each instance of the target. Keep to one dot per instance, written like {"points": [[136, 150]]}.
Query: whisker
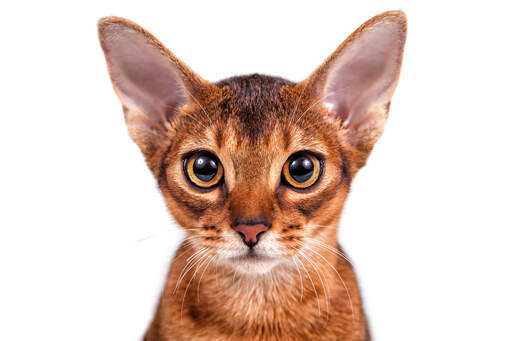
{"points": [[331, 249], [297, 103], [300, 276], [316, 102], [192, 117], [216, 275], [169, 229], [152, 235], [201, 278], [310, 261], [305, 111], [191, 261], [190, 239], [202, 108], [316, 124], [339, 276], [311, 280], [203, 260], [189, 248], [323, 227], [188, 266]]}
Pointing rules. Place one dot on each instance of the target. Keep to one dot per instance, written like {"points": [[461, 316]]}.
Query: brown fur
{"points": [[253, 124]]}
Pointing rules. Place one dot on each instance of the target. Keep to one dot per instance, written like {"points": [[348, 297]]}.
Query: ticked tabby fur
{"points": [[256, 170]]}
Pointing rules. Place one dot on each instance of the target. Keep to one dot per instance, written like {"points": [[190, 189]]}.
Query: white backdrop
{"points": [[85, 238]]}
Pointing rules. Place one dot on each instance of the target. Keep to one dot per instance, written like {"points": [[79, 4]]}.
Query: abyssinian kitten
{"points": [[256, 170]]}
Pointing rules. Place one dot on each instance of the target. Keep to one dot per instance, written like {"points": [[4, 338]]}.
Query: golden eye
{"points": [[204, 170], [301, 170]]}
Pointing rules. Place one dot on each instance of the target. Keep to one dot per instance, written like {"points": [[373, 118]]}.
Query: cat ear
{"points": [[150, 81], [357, 81]]}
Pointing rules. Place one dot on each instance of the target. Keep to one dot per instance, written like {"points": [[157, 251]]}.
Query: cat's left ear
{"points": [[152, 84], [357, 81]]}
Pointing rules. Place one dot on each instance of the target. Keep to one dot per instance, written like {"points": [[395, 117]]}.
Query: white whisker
{"points": [[202, 108], [312, 283], [322, 277], [316, 103], [339, 276], [300, 276], [192, 117], [331, 249], [201, 278], [203, 259], [191, 261], [297, 103]]}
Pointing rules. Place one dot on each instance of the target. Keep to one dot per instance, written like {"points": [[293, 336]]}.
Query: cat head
{"points": [[255, 168]]}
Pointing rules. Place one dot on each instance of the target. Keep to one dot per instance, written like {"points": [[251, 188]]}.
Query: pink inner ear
{"points": [[366, 71], [143, 77]]}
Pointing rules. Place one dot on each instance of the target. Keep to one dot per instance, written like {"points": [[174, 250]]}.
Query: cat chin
{"points": [[256, 268], [253, 264]]}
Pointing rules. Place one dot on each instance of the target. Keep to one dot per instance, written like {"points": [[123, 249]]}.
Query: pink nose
{"points": [[250, 233]]}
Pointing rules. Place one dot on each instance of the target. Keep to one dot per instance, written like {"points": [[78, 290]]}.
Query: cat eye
{"points": [[301, 170], [203, 169]]}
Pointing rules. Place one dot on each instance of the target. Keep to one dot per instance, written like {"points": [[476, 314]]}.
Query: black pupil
{"points": [[205, 168], [301, 168]]}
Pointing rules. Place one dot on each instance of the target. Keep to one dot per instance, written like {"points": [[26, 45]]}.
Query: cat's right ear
{"points": [[150, 81]]}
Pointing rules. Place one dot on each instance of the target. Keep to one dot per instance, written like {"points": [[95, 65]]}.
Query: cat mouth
{"points": [[253, 262], [252, 256]]}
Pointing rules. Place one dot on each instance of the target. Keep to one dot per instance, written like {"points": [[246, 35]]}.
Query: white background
{"points": [[85, 238]]}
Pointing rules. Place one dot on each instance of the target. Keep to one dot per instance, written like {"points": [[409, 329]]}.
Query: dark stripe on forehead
{"points": [[255, 103], [255, 88]]}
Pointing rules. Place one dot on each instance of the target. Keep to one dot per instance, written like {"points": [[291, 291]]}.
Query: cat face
{"points": [[269, 166], [255, 168]]}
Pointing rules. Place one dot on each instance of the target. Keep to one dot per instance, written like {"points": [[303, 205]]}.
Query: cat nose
{"points": [[250, 233]]}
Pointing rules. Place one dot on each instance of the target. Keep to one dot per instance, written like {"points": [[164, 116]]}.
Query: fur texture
{"points": [[296, 283]]}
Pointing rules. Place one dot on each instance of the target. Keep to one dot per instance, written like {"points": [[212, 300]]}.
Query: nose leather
{"points": [[250, 233]]}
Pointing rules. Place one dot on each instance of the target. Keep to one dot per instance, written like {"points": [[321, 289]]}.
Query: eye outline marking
{"points": [[320, 170], [217, 180]]}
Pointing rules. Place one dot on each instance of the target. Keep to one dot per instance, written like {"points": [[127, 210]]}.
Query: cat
{"points": [[256, 170]]}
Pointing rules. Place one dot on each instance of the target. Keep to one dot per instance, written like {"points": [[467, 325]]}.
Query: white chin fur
{"points": [[253, 266]]}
